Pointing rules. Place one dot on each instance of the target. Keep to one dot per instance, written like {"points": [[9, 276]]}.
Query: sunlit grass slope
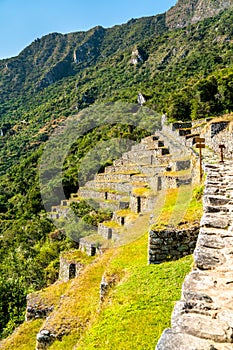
{"points": [[137, 308], [24, 338]]}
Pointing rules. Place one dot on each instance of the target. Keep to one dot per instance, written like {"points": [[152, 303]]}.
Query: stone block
{"points": [[172, 340], [207, 258], [204, 327], [216, 221]]}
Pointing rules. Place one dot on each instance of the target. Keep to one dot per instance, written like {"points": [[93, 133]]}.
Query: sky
{"points": [[22, 21]]}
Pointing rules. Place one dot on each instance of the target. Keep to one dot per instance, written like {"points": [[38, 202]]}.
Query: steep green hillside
{"points": [[186, 72], [133, 314]]}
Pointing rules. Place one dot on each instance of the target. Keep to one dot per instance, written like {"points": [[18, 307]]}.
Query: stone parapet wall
{"points": [[203, 318], [37, 307], [218, 133], [168, 182], [172, 243]]}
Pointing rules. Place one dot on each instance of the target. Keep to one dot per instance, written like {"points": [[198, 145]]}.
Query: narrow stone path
{"points": [[203, 318]]}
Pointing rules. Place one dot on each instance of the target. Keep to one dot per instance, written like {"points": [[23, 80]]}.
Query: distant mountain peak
{"points": [[187, 12]]}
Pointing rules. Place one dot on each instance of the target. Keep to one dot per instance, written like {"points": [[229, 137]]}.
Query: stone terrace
{"points": [[131, 184]]}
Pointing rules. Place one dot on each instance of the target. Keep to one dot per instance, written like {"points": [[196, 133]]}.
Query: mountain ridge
{"points": [[188, 12], [56, 56]]}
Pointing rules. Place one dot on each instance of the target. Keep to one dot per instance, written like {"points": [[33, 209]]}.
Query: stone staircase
{"points": [[203, 318], [129, 187]]}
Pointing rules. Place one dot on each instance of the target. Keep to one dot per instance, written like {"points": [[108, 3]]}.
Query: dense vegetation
{"points": [[186, 72]]}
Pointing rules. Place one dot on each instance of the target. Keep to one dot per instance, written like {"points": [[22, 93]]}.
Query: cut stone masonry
{"points": [[133, 181], [203, 318]]}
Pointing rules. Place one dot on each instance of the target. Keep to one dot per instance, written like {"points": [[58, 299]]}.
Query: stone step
{"points": [[93, 244], [183, 341], [87, 193], [215, 220], [109, 230], [204, 326], [152, 142], [105, 186], [135, 156], [138, 147], [130, 169], [216, 200], [109, 177]]}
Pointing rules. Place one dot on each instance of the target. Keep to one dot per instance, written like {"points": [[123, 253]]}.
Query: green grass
{"points": [[139, 308], [136, 310], [112, 224], [141, 191], [77, 256], [24, 338], [133, 315], [181, 205]]}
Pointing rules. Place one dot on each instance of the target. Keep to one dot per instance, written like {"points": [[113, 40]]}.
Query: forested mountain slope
{"points": [[60, 74]]}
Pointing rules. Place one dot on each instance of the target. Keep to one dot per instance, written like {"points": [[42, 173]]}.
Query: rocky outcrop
{"points": [[187, 12], [203, 318]]}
